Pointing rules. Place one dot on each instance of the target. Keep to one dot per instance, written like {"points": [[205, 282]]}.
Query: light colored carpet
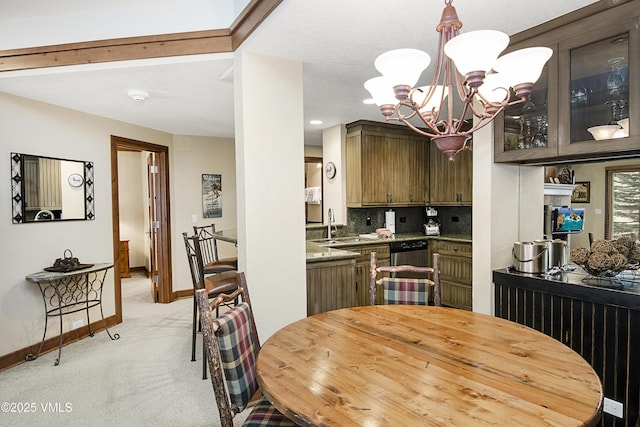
{"points": [[144, 378]]}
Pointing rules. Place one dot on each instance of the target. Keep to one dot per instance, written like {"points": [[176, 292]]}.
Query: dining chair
{"points": [[405, 290], [209, 249], [232, 344], [221, 284]]}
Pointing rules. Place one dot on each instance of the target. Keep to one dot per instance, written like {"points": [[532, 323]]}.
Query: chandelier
{"points": [[480, 76]]}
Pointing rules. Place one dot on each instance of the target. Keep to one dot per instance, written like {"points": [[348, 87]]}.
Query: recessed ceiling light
{"points": [[315, 122], [138, 95], [369, 101]]}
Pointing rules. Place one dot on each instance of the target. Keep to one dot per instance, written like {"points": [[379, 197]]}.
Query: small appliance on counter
{"points": [[432, 224], [390, 220]]}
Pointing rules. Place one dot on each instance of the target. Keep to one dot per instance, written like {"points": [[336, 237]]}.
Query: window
{"points": [[623, 201]]}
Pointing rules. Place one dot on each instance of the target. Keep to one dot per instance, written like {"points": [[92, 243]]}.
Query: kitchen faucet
{"points": [[330, 219]]}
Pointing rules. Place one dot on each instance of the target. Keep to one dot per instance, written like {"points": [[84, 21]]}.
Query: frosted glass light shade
{"points": [[420, 95], [494, 89], [476, 50], [625, 127], [381, 91], [603, 131], [402, 66], [524, 65]]}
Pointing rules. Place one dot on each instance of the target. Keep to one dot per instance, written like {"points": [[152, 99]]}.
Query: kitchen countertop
{"points": [[319, 251], [623, 291]]}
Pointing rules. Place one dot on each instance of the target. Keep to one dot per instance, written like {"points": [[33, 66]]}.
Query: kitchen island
{"points": [[600, 320]]}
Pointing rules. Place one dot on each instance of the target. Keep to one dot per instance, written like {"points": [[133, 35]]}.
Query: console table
{"points": [[71, 292]]}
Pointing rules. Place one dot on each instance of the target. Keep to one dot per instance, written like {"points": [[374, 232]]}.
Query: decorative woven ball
{"points": [[628, 240], [603, 246], [618, 261], [579, 255], [634, 254], [599, 261], [621, 246]]}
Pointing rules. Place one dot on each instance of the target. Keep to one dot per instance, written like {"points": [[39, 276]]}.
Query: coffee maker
{"points": [[432, 223]]}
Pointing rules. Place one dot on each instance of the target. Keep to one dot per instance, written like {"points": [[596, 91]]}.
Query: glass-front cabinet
{"points": [[598, 105], [587, 101], [529, 130]]}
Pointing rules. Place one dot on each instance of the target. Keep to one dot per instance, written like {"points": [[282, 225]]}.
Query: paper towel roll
{"points": [[390, 221]]}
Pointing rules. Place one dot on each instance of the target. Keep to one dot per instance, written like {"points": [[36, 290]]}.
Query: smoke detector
{"points": [[138, 95]]}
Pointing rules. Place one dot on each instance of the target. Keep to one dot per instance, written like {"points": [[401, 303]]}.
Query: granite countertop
{"points": [[320, 250]]}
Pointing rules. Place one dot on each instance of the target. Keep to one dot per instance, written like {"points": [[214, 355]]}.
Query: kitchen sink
{"points": [[337, 240]]}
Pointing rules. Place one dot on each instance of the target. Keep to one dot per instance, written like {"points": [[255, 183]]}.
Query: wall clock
{"points": [[330, 170], [76, 180]]}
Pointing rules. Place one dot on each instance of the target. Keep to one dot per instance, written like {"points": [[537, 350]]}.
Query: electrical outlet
{"points": [[77, 324], [194, 218], [612, 407], [403, 219]]}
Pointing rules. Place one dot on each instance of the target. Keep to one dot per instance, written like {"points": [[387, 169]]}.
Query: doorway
{"points": [[160, 224]]}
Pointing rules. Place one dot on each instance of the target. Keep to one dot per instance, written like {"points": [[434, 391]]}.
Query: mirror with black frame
{"points": [[49, 189]]}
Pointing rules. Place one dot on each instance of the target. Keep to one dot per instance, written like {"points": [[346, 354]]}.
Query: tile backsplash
{"points": [[453, 219]]}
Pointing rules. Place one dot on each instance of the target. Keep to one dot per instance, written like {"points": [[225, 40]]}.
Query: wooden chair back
{"points": [[232, 345], [405, 290]]}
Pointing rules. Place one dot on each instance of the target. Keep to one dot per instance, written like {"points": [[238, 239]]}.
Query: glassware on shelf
{"points": [[615, 81]]}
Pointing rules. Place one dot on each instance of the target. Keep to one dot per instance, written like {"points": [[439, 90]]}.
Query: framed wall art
{"points": [[211, 195], [582, 192]]}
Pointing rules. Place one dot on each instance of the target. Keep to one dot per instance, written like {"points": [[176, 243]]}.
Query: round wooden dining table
{"points": [[402, 365]]}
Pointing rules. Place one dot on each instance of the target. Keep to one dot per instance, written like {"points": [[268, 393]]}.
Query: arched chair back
{"points": [[404, 290]]}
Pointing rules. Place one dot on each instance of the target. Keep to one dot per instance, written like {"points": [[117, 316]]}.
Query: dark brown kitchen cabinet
{"points": [[386, 165], [330, 285], [602, 325], [591, 82], [450, 183], [456, 272], [363, 268]]}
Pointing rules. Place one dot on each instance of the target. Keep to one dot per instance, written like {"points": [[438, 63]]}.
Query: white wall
{"points": [[132, 205], [270, 174], [192, 157], [335, 190], [594, 214], [497, 213], [36, 128]]}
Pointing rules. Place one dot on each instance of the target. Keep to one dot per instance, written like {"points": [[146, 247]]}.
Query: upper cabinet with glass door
{"points": [[601, 101], [529, 130], [587, 102]]}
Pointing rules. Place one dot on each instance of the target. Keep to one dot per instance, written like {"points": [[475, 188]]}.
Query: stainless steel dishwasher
{"points": [[413, 252]]}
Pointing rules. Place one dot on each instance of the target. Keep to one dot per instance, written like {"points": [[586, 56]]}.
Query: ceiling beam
{"points": [[143, 47]]}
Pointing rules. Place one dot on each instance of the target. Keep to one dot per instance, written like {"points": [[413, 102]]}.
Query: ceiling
{"points": [[336, 40]]}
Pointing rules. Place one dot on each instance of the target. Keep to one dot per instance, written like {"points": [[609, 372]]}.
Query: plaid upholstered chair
{"points": [[214, 284], [209, 250], [405, 290], [232, 349]]}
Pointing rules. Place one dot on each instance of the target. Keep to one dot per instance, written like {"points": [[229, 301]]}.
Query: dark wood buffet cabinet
{"points": [[600, 324]]}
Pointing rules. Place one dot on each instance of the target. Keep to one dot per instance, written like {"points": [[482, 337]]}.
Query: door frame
{"points": [[165, 290]]}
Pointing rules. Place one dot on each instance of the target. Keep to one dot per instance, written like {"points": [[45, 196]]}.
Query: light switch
{"points": [[597, 211], [194, 218]]}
